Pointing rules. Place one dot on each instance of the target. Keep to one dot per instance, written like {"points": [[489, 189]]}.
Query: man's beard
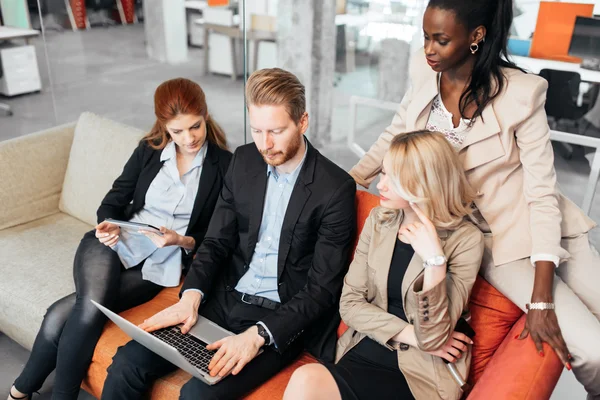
{"points": [[285, 155]]}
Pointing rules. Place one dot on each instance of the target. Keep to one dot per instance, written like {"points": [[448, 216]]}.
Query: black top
{"points": [[368, 348]]}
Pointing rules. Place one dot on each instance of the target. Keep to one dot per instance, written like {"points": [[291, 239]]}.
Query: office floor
{"points": [[107, 72]]}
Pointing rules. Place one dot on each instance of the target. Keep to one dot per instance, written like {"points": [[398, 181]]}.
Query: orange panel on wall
{"points": [[214, 3], [554, 28], [79, 13]]}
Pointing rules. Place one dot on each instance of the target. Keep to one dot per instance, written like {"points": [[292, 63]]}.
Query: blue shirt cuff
{"points": [[196, 290]]}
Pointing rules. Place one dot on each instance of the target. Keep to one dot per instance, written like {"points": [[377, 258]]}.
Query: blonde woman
{"points": [[415, 265]]}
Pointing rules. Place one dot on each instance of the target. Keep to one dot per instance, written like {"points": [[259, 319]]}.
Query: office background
{"points": [[108, 56]]}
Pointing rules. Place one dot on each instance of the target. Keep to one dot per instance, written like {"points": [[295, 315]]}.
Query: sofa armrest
{"points": [[516, 371], [32, 171]]}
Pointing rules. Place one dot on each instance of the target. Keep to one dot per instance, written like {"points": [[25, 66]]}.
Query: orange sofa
{"points": [[503, 367]]}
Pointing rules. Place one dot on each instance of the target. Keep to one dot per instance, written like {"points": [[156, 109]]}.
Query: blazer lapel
{"points": [[298, 199], [418, 110], [146, 177], [483, 127], [256, 190], [483, 143], [383, 258], [208, 176]]}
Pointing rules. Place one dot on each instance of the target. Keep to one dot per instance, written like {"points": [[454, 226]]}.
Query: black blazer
{"points": [[128, 194], [314, 248]]}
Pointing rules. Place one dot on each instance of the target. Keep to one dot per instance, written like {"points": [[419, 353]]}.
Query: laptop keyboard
{"points": [[190, 347]]}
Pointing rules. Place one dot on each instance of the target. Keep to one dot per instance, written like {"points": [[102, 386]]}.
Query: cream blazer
{"points": [[434, 313], [508, 159]]}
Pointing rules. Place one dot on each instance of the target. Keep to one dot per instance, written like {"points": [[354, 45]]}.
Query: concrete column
{"points": [[166, 30], [393, 70], [306, 46]]}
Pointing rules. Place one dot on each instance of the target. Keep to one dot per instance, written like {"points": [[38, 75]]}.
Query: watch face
{"points": [[438, 260]]}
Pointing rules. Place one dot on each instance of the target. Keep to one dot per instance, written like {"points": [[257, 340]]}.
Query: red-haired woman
{"points": [[171, 181]]}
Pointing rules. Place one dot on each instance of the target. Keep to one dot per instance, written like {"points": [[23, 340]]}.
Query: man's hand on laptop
{"points": [[235, 352], [183, 312]]}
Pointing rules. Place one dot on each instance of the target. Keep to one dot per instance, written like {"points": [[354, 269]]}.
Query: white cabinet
{"points": [[20, 70]]}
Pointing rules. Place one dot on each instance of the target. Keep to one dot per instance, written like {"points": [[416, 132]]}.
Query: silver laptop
{"points": [[188, 351]]}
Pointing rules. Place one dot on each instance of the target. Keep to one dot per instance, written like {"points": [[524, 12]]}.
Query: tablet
{"points": [[134, 225]]}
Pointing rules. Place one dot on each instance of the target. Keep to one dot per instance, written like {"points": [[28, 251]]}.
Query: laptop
{"points": [[188, 351]]}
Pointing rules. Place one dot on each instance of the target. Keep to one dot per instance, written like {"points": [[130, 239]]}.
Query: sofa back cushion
{"points": [[32, 170], [100, 149]]}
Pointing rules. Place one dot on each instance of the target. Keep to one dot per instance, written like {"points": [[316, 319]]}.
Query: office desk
{"points": [[235, 33], [535, 65], [8, 33]]}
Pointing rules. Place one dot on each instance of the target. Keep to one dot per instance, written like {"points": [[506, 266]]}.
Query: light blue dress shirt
{"points": [[169, 203], [261, 277]]}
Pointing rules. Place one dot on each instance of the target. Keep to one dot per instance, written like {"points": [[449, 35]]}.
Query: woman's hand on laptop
{"points": [[183, 312], [108, 234], [234, 352]]}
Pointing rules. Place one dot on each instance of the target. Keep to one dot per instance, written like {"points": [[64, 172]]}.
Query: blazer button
{"points": [[403, 346], [425, 299], [426, 313], [425, 318], [228, 288]]}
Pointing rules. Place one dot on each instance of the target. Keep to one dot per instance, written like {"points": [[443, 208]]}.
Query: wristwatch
{"points": [[262, 332], [436, 261]]}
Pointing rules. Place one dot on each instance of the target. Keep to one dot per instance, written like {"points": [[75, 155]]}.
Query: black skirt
{"points": [[369, 370], [360, 377]]}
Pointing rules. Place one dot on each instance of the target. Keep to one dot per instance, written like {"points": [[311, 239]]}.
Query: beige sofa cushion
{"points": [[100, 149], [38, 259], [32, 170]]}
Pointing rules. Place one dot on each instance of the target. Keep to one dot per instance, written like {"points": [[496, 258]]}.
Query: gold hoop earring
{"points": [[474, 47]]}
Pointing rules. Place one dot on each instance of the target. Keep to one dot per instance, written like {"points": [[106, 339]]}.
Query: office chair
{"points": [[99, 12], [561, 100], [5, 107]]}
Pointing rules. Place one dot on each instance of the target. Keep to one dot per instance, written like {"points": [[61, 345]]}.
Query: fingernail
{"points": [[570, 357], [541, 354], [516, 336], [569, 366]]}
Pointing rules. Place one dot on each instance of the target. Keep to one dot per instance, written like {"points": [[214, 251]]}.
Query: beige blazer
{"points": [[508, 158], [434, 313]]}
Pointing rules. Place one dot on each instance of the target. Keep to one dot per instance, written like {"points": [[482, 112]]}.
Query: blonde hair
{"points": [[181, 96], [276, 87], [425, 170]]}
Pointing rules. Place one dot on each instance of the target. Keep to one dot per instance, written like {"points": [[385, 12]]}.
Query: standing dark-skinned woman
{"points": [[537, 249]]}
